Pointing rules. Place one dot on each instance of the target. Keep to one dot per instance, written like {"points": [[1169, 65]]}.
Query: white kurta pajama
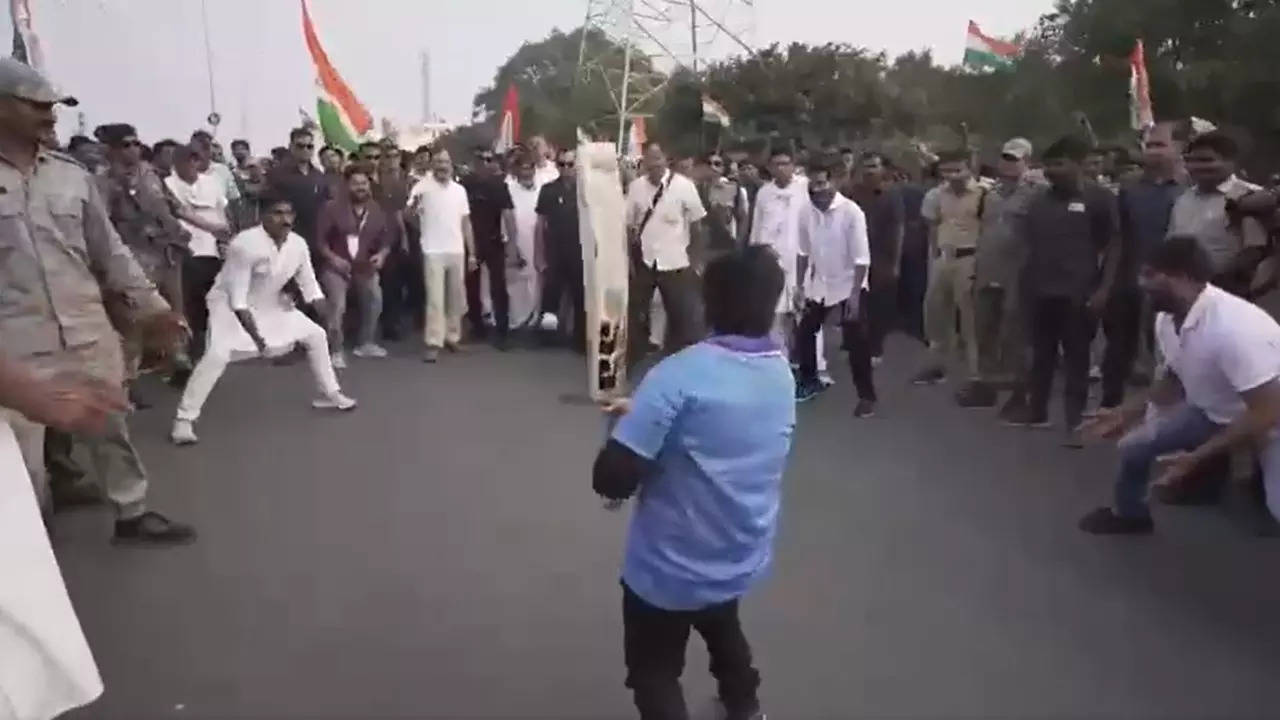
{"points": [[253, 279], [522, 282]]}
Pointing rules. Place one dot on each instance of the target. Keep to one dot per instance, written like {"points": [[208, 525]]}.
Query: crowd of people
{"points": [[122, 259]]}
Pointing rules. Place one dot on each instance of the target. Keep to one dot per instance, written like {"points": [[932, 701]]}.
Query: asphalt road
{"points": [[439, 554]]}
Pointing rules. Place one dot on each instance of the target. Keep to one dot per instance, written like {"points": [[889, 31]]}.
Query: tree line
{"points": [[1214, 59]]}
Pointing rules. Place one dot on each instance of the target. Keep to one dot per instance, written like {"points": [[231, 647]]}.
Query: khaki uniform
{"points": [[59, 255], [958, 218], [142, 210]]}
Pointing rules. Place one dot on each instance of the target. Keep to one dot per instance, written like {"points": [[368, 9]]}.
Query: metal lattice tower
{"points": [[670, 34]]}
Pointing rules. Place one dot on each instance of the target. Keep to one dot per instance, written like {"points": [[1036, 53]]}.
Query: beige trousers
{"points": [[950, 291], [446, 298]]}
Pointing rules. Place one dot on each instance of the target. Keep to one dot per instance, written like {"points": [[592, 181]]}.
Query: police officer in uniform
{"points": [[142, 214], [59, 255]]}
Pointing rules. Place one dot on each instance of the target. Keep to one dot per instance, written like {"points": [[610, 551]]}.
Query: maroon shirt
{"points": [[338, 219]]}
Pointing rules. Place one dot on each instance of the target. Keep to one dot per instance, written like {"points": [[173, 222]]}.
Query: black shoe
{"points": [[1074, 439], [152, 528], [865, 409], [136, 398], [1015, 407], [1025, 417], [930, 376], [79, 495], [976, 395], [1104, 521]]}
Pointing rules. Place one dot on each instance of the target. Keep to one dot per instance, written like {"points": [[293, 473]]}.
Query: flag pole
{"points": [[208, 58]]}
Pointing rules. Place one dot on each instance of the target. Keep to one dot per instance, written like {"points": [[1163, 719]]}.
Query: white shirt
{"points": [[664, 243], [442, 208], [1227, 346], [777, 217], [836, 244], [524, 202], [205, 198]]}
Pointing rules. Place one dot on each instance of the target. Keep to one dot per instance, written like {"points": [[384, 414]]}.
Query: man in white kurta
{"points": [[522, 275], [251, 316]]}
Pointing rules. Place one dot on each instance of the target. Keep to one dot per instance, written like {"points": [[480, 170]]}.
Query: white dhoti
{"points": [[523, 290], [46, 667], [254, 278], [522, 283]]}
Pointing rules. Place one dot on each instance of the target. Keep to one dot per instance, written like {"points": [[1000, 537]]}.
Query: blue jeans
{"points": [[1180, 428]]}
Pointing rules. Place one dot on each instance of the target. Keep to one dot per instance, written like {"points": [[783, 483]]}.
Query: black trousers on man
{"points": [[1060, 323], [856, 342], [1122, 325], [681, 300], [564, 278], [882, 309], [404, 294], [492, 258], [654, 642], [198, 275]]}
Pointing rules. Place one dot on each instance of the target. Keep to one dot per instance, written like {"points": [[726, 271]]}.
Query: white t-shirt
{"points": [[1227, 346], [442, 208], [207, 199], [664, 242], [524, 202], [836, 244]]}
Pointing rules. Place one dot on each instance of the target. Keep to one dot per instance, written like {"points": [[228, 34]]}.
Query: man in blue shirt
{"points": [[704, 441]]}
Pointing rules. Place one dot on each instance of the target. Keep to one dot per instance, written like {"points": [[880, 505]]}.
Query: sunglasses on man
{"points": [[305, 146]]}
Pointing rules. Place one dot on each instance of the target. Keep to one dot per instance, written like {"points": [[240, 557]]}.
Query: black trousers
{"points": [[681, 300], [404, 294], [913, 282], [564, 277], [492, 258], [654, 642], [198, 274], [1066, 324], [1122, 324], [856, 342], [882, 309]]}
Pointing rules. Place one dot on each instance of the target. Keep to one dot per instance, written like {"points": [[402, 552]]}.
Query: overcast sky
{"points": [[143, 61]]}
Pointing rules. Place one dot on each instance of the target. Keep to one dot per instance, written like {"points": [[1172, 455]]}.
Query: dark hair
{"points": [[1182, 256], [76, 141], [239, 142], [1216, 142], [270, 198], [279, 151], [823, 165], [1068, 147], [202, 136], [876, 155], [846, 150], [648, 144], [300, 132], [163, 145], [357, 169], [333, 148], [366, 145], [182, 153], [954, 155], [422, 149], [741, 291], [779, 152]]}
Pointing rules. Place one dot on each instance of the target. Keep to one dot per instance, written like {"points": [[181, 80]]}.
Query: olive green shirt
{"points": [[58, 254]]}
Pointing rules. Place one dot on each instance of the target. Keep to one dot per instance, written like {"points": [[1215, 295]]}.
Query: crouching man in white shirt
{"points": [[1220, 389], [250, 316], [833, 259]]}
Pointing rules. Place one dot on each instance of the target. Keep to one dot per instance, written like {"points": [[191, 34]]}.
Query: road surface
{"points": [[439, 554]]}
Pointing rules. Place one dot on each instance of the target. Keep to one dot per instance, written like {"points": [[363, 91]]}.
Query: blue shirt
{"points": [[717, 419]]}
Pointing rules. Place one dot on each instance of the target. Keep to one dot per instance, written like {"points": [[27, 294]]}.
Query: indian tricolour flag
{"points": [[343, 120], [983, 52]]}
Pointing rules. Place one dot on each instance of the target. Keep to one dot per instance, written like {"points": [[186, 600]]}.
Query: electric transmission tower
{"points": [[657, 38]]}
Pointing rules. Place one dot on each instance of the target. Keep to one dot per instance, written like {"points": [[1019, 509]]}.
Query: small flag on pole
{"points": [[714, 112], [983, 52], [509, 122], [1141, 114]]}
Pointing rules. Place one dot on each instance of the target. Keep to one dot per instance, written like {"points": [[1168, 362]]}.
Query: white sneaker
{"points": [[337, 401], [825, 379], [877, 361], [339, 361], [183, 433], [371, 350]]}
